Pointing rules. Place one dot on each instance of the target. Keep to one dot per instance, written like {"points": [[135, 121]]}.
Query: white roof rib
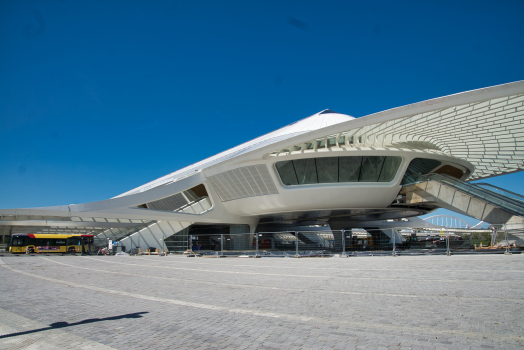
{"points": [[316, 121], [484, 127]]}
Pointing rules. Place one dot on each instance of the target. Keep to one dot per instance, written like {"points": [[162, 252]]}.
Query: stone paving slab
{"points": [[174, 302]]}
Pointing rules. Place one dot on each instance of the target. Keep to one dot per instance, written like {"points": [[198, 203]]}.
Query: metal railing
{"points": [[496, 196], [390, 241]]}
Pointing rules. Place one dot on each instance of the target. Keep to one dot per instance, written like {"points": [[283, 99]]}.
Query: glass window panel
{"points": [[327, 169], [332, 142], [349, 169], [419, 166], [370, 169], [309, 145], [321, 143], [306, 171], [287, 173], [341, 140], [389, 169]]}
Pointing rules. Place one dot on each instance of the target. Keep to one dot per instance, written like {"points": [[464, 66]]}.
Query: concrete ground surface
{"points": [[175, 302]]}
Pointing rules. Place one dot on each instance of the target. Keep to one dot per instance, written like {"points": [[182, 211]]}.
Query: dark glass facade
{"points": [[338, 169]]}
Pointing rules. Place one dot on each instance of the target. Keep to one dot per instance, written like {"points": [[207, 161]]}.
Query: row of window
{"points": [[338, 169]]}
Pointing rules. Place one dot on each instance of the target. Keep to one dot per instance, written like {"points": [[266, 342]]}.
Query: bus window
{"points": [[73, 241], [18, 241]]}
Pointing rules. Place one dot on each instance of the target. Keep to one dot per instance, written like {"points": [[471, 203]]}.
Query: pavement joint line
{"points": [[221, 262], [309, 276], [293, 289], [290, 317]]}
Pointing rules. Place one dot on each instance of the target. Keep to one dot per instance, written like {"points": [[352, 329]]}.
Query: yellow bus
{"points": [[50, 243]]}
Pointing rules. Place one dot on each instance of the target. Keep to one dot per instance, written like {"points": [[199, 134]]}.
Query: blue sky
{"points": [[98, 97]]}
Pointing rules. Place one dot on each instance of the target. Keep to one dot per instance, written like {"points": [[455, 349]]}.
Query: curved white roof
{"points": [[320, 120], [484, 127]]}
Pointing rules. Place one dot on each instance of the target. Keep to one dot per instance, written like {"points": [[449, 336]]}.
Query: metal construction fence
{"points": [[390, 241]]}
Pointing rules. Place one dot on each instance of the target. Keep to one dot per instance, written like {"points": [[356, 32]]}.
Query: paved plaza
{"points": [[175, 302]]}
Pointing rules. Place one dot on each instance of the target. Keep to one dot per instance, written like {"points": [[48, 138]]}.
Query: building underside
{"points": [[328, 170]]}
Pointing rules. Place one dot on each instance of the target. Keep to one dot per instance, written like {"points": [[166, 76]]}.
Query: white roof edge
{"points": [[488, 93]]}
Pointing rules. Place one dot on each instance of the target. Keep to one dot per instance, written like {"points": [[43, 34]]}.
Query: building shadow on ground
{"points": [[58, 325]]}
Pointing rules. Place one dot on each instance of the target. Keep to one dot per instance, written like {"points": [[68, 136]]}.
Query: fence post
{"points": [[343, 242], [256, 243], [493, 235], [296, 244], [507, 252], [448, 253], [394, 232], [221, 244], [351, 240], [190, 244]]}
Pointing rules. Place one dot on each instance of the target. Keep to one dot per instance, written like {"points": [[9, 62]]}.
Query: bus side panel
{"points": [[17, 249], [48, 249]]}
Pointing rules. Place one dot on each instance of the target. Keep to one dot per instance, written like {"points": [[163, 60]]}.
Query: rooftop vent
{"points": [[327, 111]]}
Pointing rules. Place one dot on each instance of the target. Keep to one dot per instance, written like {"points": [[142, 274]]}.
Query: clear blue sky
{"points": [[98, 97]]}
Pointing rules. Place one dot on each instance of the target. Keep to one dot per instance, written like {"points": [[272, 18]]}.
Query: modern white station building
{"points": [[328, 170]]}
